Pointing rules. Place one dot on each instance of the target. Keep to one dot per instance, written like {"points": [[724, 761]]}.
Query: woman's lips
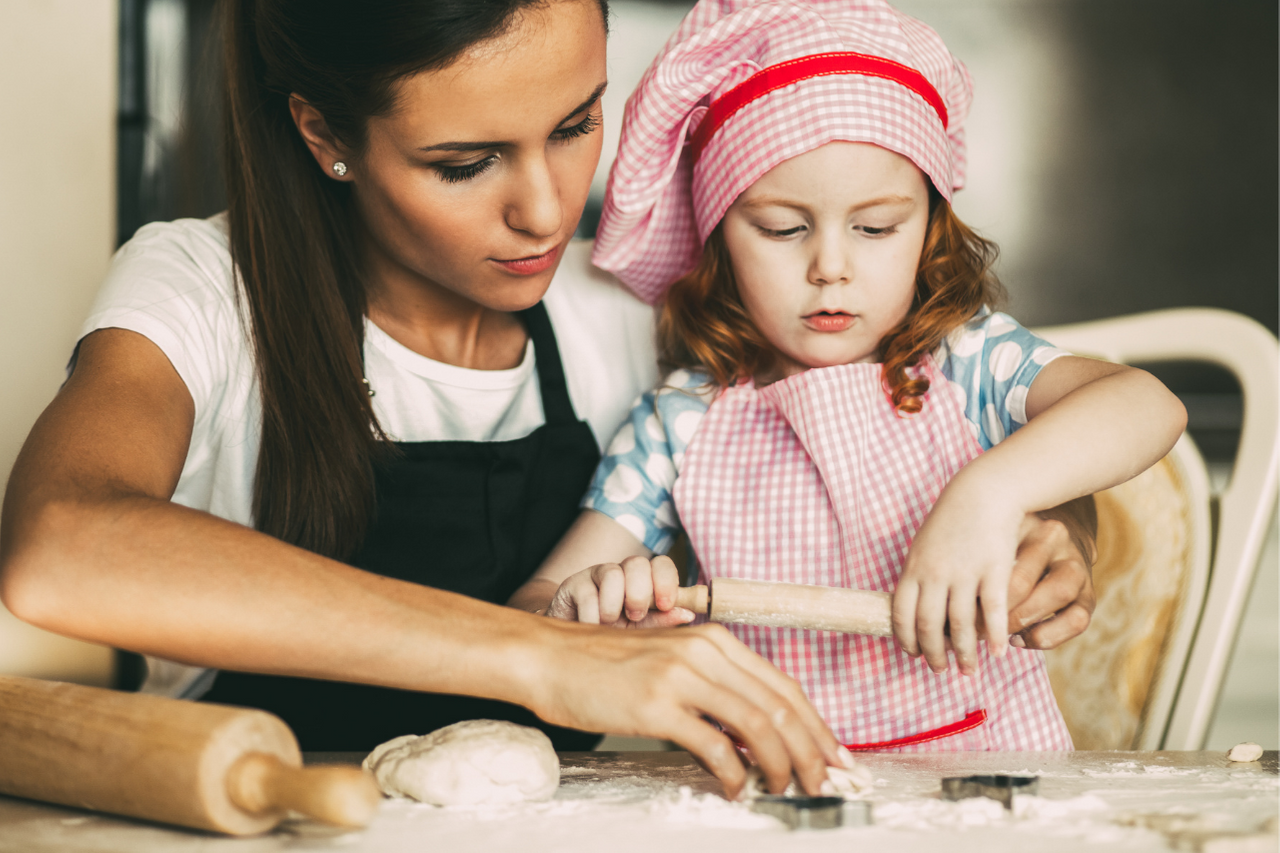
{"points": [[531, 265], [829, 321]]}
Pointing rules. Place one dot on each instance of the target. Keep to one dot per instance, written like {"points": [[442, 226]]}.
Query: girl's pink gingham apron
{"points": [[816, 480]]}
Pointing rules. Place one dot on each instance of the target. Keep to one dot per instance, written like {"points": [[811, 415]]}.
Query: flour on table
{"points": [[472, 763]]}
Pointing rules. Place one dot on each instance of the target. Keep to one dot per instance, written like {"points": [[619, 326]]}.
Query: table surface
{"points": [[662, 801]]}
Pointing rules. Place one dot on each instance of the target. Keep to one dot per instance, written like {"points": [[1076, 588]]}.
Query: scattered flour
{"points": [[711, 810]]}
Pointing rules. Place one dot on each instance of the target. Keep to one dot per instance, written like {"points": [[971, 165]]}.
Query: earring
{"points": [[339, 168]]}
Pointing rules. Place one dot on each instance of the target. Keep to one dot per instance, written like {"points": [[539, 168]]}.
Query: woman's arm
{"points": [[92, 547], [1091, 425]]}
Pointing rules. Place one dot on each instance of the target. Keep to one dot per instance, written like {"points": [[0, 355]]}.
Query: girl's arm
{"points": [[92, 547], [1091, 425]]}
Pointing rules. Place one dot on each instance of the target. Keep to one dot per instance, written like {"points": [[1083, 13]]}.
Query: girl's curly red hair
{"points": [[703, 324]]}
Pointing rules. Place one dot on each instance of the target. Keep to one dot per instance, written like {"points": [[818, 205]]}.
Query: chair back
{"points": [[1116, 683], [1156, 528]]}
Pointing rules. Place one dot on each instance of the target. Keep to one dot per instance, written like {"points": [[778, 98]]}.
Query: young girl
{"points": [[847, 410]]}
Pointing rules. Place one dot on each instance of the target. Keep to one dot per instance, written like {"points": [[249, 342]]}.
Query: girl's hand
{"points": [[636, 593], [961, 559]]}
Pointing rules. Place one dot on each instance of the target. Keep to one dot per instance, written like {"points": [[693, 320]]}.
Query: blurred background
{"points": [[1123, 153]]}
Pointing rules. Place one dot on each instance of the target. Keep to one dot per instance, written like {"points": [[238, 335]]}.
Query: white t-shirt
{"points": [[173, 283]]}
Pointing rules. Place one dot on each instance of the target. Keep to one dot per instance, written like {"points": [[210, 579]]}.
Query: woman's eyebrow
{"points": [[480, 146]]}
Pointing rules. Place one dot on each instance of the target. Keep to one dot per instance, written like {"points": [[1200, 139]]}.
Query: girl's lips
{"points": [[531, 265], [828, 322]]}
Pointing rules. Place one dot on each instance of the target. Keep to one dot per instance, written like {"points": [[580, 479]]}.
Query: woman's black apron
{"points": [[471, 517]]}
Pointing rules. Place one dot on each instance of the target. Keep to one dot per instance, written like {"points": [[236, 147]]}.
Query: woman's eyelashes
{"points": [[451, 174], [589, 124], [457, 174]]}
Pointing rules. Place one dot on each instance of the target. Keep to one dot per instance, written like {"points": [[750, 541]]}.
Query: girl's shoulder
{"points": [[991, 362]]}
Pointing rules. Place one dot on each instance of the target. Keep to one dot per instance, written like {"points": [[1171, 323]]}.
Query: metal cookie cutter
{"points": [[814, 812], [998, 788]]}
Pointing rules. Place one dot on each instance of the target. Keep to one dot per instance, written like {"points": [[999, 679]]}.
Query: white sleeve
{"points": [[606, 340], [173, 284]]}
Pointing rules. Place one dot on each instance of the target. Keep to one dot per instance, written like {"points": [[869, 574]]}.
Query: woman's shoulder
{"points": [[174, 283], [187, 258]]}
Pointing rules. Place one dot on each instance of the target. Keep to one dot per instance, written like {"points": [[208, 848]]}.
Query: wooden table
{"points": [[659, 802]]}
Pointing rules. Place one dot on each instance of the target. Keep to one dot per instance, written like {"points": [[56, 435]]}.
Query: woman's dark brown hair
{"points": [[293, 234], [703, 324]]}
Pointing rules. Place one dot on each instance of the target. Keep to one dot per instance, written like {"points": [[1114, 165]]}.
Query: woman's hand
{"points": [[1051, 596], [665, 684], [636, 593]]}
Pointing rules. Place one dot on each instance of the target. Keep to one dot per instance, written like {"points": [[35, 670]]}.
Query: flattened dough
{"points": [[472, 763]]}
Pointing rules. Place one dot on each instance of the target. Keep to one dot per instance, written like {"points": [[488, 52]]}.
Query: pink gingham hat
{"points": [[743, 86]]}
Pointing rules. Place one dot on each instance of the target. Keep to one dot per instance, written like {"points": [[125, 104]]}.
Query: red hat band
{"points": [[793, 71]]}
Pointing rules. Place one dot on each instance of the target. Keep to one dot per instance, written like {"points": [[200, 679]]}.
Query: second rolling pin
{"points": [[791, 605]]}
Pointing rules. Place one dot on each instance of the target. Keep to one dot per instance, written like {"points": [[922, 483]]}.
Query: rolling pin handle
{"points": [[343, 796], [695, 598]]}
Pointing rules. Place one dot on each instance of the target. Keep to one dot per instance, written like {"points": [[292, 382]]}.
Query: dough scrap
{"points": [[1245, 752], [472, 763], [849, 783]]}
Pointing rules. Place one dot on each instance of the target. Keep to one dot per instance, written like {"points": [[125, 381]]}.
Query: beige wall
{"points": [[57, 198]]}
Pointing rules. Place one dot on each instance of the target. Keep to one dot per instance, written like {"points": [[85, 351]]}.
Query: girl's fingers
{"points": [[586, 598], [962, 611], [994, 592], [905, 599], [608, 579], [666, 581], [931, 619], [638, 585], [673, 618], [563, 605]]}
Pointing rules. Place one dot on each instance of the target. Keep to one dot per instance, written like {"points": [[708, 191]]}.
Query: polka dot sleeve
{"points": [[633, 483], [994, 360]]}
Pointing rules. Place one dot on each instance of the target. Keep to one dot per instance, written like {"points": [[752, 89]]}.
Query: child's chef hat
{"points": [[743, 86]]}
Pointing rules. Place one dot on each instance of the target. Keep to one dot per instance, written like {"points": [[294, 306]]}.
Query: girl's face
{"points": [[825, 248], [476, 180]]}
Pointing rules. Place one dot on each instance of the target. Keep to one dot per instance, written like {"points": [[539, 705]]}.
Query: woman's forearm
{"points": [[148, 575]]}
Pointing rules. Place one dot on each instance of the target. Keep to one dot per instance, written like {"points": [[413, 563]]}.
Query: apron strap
{"points": [[556, 405]]}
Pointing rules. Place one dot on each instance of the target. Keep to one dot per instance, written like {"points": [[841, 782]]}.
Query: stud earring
{"points": [[339, 168]]}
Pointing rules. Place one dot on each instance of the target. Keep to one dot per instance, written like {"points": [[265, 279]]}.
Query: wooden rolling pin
{"points": [[232, 770], [791, 605]]}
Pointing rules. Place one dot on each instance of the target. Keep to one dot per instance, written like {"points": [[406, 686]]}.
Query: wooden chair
{"points": [[1175, 564]]}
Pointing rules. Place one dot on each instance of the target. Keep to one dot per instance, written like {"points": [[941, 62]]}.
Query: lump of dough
{"points": [[1245, 752], [475, 762]]}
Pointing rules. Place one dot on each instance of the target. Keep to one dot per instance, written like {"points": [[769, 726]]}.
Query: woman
{"points": [[346, 362]]}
